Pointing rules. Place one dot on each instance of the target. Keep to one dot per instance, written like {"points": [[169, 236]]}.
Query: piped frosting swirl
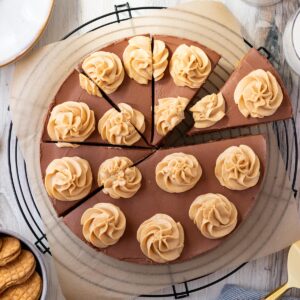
{"points": [[89, 86], [178, 172], [168, 113], [161, 238], [208, 111], [214, 215], [120, 128], [103, 224], [68, 178], [238, 168], [159, 59], [137, 58], [105, 69], [189, 66], [71, 121], [258, 94], [119, 178]]}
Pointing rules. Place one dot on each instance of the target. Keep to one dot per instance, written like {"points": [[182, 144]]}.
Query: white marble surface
{"points": [[261, 27]]}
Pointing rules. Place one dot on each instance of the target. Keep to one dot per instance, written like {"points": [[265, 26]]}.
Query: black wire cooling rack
{"points": [[21, 188]]}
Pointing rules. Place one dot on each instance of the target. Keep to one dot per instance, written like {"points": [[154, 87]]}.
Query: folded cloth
{"points": [[234, 292]]}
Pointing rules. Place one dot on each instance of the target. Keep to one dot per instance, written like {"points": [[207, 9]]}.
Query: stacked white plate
{"points": [[21, 25]]}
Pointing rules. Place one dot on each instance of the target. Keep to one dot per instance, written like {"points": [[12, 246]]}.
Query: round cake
{"points": [[104, 161]]}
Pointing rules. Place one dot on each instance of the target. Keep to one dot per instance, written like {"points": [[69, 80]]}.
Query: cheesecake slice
{"points": [[95, 155], [137, 95], [253, 62], [170, 87], [72, 91]]}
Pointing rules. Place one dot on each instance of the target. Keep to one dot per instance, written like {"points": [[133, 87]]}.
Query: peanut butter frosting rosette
{"points": [[159, 59], [120, 128], [119, 178], [258, 94], [105, 69], [178, 172], [161, 238], [68, 178], [71, 121], [208, 111], [89, 86], [238, 168], [168, 113], [103, 224], [189, 66], [137, 59], [214, 215]]}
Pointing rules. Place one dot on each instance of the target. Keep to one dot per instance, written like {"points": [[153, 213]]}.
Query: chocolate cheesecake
{"points": [[117, 109]]}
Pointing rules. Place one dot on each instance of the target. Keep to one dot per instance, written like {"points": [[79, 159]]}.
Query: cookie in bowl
{"points": [[22, 269]]}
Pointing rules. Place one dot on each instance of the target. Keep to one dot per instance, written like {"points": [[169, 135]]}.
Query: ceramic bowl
{"points": [[40, 263]]}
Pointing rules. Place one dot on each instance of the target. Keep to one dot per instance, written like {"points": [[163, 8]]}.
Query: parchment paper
{"points": [[86, 274]]}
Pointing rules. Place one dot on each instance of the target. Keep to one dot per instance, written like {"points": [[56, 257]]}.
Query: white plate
{"points": [[21, 25]]}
